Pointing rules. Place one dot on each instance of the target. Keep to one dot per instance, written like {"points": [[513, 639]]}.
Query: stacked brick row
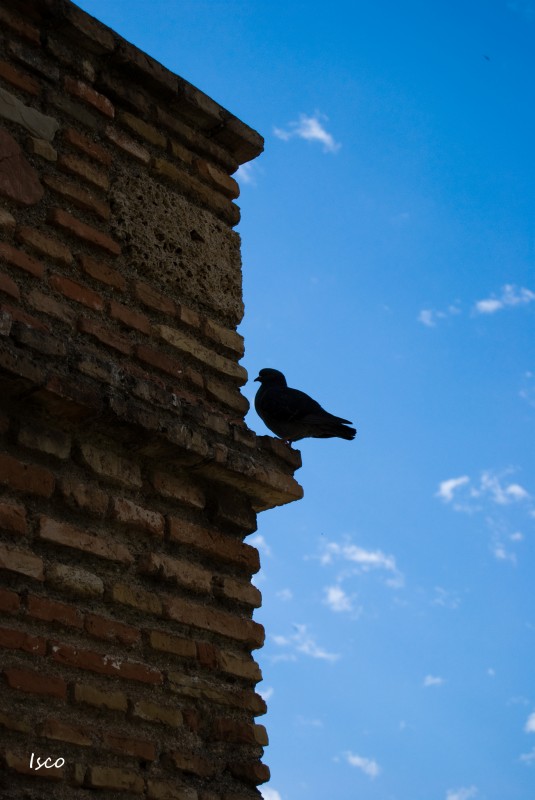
{"points": [[128, 478]]}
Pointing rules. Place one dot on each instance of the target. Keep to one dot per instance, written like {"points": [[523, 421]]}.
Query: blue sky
{"points": [[389, 248]]}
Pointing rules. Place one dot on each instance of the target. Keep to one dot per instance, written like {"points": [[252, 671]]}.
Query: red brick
{"points": [[17, 258], [13, 517], [233, 730], [217, 545], [87, 496], [127, 145], [131, 514], [153, 299], [251, 771], [62, 533], [137, 598], [77, 196], [102, 272], [111, 630], [215, 621], [18, 79], [105, 664], [60, 731], [26, 319], [21, 562], [115, 701], [38, 340], [115, 778], [138, 748], [240, 666], [16, 22], [143, 129], [193, 763], [217, 178], [184, 573], [54, 611], [19, 640], [8, 286], [66, 222], [82, 169], [87, 146], [47, 246], [26, 680], [9, 601], [179, 488], [90, 96], [105, 335], [52, 307], [160, 640], [53, 442], [69, 398], [159, 360], [25, 477], [77, 292], [130, 318], [150, 712]]}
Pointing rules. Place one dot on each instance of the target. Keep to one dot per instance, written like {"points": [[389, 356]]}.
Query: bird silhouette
{"points": [[292, 414]]}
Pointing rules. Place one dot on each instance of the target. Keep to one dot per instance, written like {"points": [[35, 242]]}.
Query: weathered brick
{"points": [[53, 442], [240, 665], [25, 477], [143, 129], [75, 291], [69, 397], [84, 92], [132, 514], [13, 517], [181, 489], [214, 620], [164, 790], [26, 680], [21, 763], [82, 169], [62, 533], [115, 701], [130, 318], [7, 220], [105, 335], [227, 337], [42, 148], [115, 778], [138, 748], [102, 272], [217, 178], [52, 307], [253, 772], [225, 729], [96, 35], [229, 395], [188, 344], [127, 145], [15, 723], [108, 464], [33, 59], [75, 581], [53, 611], [18, 79], [70, 224], [19, 640], [79, 197], [17, 258], [160, 640], [47, 246], [6, 322], [161, 361], [87, 496], [184, 573], [241, 591], [18, 315], [87, 146], [9, 601], [39, 340], [62, 732], [154, 299], [111, 630], [193, 763], [150, 712], [217, 545], [137, 598], [19, 24], [105, 664]]}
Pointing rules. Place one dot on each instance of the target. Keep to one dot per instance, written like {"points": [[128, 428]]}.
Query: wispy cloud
{"points": [[446, 598], [246, 173], [464, 793], [260, 543], [363, 560], [270, 794], [510, 296], [529, 727], [432, 680], [491, 487], [430, 317], [285, 595], [528, 758], [303, 642], [368, 766], [311, 129], [446, 489], [337, 600]]}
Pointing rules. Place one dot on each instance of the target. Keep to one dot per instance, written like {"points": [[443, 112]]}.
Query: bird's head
{"points": [[272, 376]]}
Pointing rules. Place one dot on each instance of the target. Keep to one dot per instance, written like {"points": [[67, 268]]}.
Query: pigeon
{"points": [[293, 415]]}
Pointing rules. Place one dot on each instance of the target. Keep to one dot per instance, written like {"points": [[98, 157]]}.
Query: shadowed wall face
{"points": [[128, 478]]}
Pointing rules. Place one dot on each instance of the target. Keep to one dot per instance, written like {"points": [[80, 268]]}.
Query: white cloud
{"points": [[270, 794], [285, 595], [510, 296], [426, 317], [432, 680], [447, 488], [529, 727], [266, 693], [246, 174], [502, 495], [311, 129], [429, 316], [260, 543], [462, 793], [446, 598], [369, 766], [528, 758], [337, 599], [302, 642]]}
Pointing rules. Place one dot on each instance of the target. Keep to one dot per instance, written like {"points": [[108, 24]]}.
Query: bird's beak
{"points": [[259, 379]]}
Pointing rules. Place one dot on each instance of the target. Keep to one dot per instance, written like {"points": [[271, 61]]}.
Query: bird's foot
{"points": [[288, 443]]}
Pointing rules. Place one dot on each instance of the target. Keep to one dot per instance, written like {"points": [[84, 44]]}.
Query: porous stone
{"points": [[185, 250], [18, 179], [39, 125]]}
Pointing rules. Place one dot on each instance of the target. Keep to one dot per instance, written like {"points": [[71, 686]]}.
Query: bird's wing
{"points": [[292, 405]]}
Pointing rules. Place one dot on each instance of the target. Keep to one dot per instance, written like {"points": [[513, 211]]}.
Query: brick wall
{"points": [[128, 478]]}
